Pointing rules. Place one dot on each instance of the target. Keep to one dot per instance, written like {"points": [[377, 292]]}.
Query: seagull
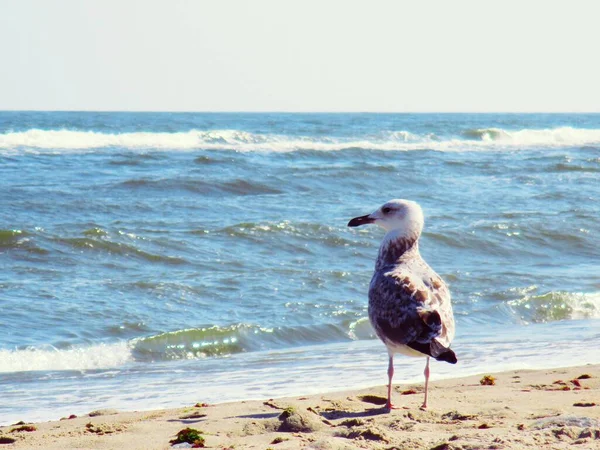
{"points": [[409, 304]]}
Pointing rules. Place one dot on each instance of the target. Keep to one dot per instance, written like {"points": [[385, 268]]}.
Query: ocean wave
{"points": [[194, 343], [222, 341], [199, 342], [12, 238], [577, 167], [102, 244], [469, 140], [19, 239], [557, 305], [312, 232], [236, 187], [49, 358], [549, 137]]}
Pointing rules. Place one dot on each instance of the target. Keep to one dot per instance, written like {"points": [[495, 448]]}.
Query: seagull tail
{"points": [[441, 353], [448, 356], [435, 350]]}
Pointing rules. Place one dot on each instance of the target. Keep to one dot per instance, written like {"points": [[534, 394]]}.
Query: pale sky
{"points": [[278, 55]]}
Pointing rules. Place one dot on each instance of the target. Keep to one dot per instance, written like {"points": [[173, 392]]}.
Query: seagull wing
{"points": [[406, 309]]}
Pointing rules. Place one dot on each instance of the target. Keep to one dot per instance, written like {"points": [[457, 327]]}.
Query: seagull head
{"points": [[404, 217]]}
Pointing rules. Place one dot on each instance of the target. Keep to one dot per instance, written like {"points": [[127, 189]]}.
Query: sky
{"points": [[288, 55]]}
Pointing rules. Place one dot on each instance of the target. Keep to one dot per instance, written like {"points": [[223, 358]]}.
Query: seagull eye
{"points": [[386, 210]]}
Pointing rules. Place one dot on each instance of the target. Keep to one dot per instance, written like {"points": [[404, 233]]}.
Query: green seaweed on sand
{"points": [[287, 412], [189, 435]]}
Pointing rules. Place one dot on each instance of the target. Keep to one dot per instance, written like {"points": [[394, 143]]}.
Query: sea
{"points": [[154, 260]]}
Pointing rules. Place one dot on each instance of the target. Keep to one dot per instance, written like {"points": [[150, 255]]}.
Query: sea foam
{"points": [[557, 305], [48, 358], [57, 141]]}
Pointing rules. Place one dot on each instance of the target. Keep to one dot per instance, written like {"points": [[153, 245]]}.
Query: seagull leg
{"points": [[390, 375], [426, 373]]}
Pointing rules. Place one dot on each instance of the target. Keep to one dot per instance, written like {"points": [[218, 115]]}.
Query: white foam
{"points": [[483, 139], [585, 305], [361, 329], [562, 136], [101, 356], [559, 306]]}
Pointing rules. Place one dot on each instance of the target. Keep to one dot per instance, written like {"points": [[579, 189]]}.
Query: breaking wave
{"points": [[557, 305], [469, 140], [554, 137], [216, 341], [180, 344], [49, 358], [239, 338]]}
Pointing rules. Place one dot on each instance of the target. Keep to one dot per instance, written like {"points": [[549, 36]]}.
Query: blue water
{"points": [[159, 259]]}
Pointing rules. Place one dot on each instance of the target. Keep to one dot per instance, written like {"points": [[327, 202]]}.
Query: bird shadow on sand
{"points": [[342, 414]]}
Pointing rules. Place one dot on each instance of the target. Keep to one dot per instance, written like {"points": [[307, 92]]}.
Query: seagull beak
{"points": [[362, 220]]}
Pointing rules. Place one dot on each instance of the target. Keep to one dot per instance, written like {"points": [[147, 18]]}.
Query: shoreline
{"points": [[551, 408], [278, 373]]}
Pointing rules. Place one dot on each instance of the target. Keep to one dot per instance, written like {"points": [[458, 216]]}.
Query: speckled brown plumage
{"points": [[409, 304]]}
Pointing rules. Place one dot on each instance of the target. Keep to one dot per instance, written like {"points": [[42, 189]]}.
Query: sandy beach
{"points": [[550, 409]]}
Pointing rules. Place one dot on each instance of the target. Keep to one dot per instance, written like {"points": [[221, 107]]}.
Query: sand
{"points": [[549, 409]]}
